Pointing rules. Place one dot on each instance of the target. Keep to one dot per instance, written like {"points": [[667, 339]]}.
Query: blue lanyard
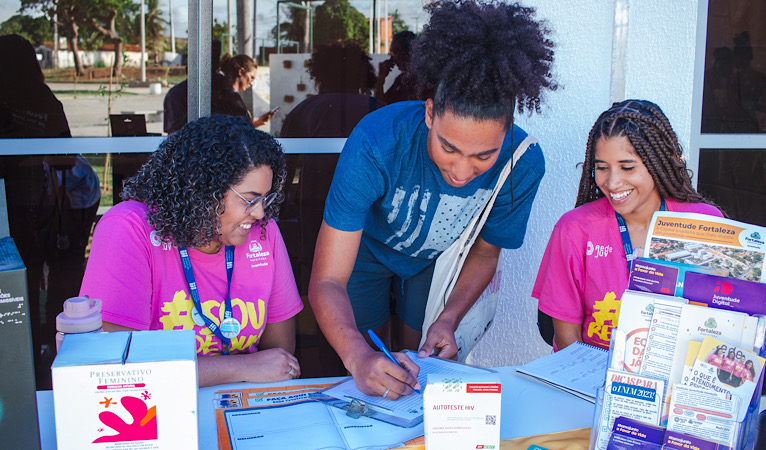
{"points": [[189, 273], [626, 236]]}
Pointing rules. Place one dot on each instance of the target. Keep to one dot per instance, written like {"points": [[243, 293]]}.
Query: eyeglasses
{"points": [[254, 203]]}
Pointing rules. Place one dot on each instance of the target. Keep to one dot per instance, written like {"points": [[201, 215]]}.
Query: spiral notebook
{"points": [[579, 369]]}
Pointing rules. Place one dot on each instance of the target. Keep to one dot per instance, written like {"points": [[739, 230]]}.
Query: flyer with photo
{"points": [[721, 367], [735, 249]]}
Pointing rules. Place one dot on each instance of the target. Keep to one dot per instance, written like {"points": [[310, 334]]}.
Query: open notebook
{"points": [[405, 411], [579, 369]]}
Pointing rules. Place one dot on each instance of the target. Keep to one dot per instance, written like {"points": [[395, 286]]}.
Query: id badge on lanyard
{"points": [[626, 245], [230, 327]]}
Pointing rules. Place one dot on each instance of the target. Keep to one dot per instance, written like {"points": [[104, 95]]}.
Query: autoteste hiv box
{"points": [[126, 390], [462, 411]]}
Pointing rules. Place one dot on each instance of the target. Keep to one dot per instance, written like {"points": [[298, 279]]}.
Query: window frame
{"points": [[700, 141]]}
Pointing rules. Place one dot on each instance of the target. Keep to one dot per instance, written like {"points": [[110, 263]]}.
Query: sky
{"points": [[411, 11]]}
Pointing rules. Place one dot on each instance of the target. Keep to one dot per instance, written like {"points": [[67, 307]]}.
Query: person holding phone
{"points": [[239, 71]]}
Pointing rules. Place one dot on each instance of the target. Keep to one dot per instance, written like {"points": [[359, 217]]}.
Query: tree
{"points": [[397, 23], [34, 29], [294, 27], [337, 21], [221, 28], [98, 15]]}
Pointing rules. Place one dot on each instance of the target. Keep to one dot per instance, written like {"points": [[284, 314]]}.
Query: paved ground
{"points": [[87, 113]]}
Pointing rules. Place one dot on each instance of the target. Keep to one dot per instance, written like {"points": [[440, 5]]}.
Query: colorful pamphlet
{"points": [[636, 309], [735, 248], [662, 277], [726, 293], [704, 413], [691, 356], [729, 369], [632, 396], [667, 350], [631, 434]]}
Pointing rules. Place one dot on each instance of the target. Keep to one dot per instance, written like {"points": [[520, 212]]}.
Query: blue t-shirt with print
{"points": [[387, 185]]}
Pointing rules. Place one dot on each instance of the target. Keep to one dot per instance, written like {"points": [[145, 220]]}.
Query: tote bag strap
{"points": [[469, 235]]}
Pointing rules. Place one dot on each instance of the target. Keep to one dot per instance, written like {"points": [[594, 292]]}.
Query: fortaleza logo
{"points": [[256, 250], [754, 238], [709, 327]]}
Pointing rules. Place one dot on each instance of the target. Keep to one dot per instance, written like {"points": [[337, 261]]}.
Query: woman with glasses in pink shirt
{"points": [[194, 246]]}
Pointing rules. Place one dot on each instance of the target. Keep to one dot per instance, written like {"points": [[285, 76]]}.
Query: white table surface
{"points": [[529, 408]]}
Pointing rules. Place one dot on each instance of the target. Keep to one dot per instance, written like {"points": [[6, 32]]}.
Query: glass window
{"points": [[734, 91], [736, 180]]}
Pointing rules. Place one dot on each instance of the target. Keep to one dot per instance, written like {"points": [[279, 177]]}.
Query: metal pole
{"points": [[377, 26], [372, 19], [200, 49], [279, 33], [172, 31], [229, 41], [143, 43], [55, 40], [387, 42], [255, 29]]}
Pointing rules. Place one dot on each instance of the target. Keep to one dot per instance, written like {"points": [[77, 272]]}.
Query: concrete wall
{"points": [[659, 62]]}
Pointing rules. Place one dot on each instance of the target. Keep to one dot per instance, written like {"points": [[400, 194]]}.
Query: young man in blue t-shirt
{"points": [[412, 176]]}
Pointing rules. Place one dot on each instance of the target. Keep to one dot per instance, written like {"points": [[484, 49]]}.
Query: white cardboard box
{"points": [[126, 390], [462, 411]]}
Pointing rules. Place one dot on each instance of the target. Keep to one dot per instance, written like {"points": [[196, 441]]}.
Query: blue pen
{"points": [[376, 340]]}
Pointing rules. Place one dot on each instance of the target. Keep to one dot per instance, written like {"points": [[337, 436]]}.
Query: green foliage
{"points": [[219, 30], [337, 20], [294, 26], [100, 64], [397, 23], [34, 29]]}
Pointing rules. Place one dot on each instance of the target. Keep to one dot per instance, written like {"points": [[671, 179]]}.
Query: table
{"points": [[528, 408]]}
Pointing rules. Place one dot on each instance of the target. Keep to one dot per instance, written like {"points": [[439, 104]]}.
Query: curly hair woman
{"points": [[633, 167], [204, 202], [413, 174]]}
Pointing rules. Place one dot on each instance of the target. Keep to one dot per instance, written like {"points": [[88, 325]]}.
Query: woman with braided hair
{"points": [[413, 174], [633, 167]]}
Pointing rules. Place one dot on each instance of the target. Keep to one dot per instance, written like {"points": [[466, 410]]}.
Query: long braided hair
{"points": [[654, 141]]}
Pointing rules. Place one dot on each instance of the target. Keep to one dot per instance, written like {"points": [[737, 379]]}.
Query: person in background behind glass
{"points": [[52, 199]]}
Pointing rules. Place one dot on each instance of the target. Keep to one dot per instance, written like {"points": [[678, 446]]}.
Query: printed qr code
{"points": [[490, 420]]}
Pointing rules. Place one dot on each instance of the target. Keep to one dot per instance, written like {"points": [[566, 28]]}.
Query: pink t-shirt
{"points": [[747, 375], [584, 270], [141, 283], [739, 366], [727, 365], [715, 360]]}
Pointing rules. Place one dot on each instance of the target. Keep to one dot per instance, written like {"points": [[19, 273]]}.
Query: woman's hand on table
{"points": [[273, 364]]}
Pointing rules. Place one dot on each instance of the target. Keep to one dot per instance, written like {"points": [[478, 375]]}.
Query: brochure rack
{"points": [[745, 436]]}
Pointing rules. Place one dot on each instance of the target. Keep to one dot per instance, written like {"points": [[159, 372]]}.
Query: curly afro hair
{"points": [[648, 129], [184, 181], [341, 67], [482, 58]]}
